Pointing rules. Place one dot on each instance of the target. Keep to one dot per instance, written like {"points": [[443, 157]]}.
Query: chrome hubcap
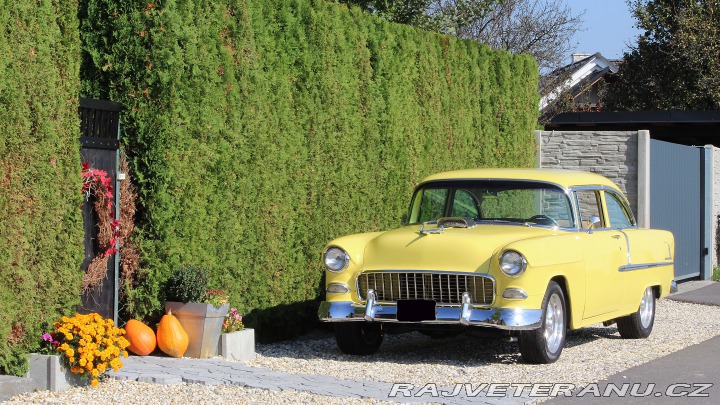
{"points": [[647, 308], [554, 323]]}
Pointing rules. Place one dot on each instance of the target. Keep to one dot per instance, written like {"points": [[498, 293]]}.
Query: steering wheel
{"points": [[543, 220]]}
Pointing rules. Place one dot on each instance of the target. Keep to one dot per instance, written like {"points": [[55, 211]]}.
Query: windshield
{"points": [[500, 201]]}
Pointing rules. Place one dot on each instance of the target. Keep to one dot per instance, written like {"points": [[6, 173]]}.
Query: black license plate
{"points": [[415, 310]]}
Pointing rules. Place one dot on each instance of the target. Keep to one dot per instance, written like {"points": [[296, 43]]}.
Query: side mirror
{"points": [[595, 222]]}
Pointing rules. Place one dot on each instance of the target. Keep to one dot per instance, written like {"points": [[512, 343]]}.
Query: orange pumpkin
{"points": [[140, 336], [171, 337]]}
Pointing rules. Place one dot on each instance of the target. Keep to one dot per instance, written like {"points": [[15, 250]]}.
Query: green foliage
{"points": [[187, 284], [260, 130], [716, 273], [41, 233], [676, 63]]}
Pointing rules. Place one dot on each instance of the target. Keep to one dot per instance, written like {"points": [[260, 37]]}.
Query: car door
{"points": [[604, 250]]}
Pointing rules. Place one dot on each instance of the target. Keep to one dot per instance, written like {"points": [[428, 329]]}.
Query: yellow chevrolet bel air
{"points": [[524, 254]]}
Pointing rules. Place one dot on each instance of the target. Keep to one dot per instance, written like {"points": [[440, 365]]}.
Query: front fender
{"points": [[354, 245], [557, 256]]}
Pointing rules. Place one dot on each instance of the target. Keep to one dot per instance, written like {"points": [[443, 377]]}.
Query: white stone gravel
{"points": [[591, 354]]}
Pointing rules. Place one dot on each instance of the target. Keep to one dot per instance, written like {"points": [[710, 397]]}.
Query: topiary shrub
{"points": [[187, 284]]}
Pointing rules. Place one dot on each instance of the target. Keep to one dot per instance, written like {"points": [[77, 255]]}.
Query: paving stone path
{"points": [[164, 370]]}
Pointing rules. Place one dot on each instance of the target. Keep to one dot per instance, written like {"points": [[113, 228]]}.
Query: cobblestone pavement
{"points": [[165, 370]]}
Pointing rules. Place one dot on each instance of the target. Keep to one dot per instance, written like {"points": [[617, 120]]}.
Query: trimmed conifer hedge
{"points": [[259, 130], [41, 233]]}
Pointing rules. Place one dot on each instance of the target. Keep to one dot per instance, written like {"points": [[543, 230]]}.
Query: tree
{"points": [[676, 62], [541, 28], [411, 12]]}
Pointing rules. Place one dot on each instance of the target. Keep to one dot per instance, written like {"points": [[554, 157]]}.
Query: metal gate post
{"points": [[116, 293], [706, 170]]}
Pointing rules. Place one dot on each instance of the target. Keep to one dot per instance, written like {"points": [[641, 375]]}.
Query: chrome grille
{"points": [[443, 288]]}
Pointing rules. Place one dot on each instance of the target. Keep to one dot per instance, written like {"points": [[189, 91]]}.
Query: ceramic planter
{"points": [[202, 323], [47, 372], [239, 345]]}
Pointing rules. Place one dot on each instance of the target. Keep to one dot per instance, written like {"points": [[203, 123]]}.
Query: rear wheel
{"points": [[639, 325], [359, 338], [544, 345]]}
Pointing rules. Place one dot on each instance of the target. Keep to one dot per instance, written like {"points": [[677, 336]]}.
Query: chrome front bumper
{"points": [[466, 314]]}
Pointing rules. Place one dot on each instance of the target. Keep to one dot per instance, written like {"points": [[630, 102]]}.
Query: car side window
{"points": [[432, 205], [617, 212], [589, 205], [464, 205]]}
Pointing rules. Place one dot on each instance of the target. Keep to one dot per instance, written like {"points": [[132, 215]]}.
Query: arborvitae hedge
{"points": [[41, 234], [259, 130]]}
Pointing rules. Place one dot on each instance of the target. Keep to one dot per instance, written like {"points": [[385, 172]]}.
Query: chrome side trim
{"points": [[497, 318], [632, 267], [627, 241]]}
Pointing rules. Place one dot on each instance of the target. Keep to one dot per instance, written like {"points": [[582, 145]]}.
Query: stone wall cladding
{"points": [[611, 154]]}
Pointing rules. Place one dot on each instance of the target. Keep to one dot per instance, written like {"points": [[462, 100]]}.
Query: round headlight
{"points": [[512, 263], [336, 259]]}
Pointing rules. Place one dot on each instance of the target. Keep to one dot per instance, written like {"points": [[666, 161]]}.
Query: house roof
{"points": [[581, 74]]}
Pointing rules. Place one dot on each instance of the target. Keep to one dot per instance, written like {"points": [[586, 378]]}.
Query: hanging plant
{"points": [[130, 257], [98, 184]]}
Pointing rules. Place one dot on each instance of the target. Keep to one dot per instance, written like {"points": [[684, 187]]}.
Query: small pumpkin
{"points": [[171, 337], [141, 337]]}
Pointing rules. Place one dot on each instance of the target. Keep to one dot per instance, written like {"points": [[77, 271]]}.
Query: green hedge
{"points": [[41, 234], [260, 130]]}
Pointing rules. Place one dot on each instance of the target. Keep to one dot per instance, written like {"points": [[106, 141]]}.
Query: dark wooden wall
{"points": [[100, 126]]}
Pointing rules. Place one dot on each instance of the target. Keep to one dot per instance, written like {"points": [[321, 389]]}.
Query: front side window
{"points": [[500, 201], [590, 208]]}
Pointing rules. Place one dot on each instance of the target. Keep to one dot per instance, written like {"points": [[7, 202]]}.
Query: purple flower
{"points": [[47, 337]]}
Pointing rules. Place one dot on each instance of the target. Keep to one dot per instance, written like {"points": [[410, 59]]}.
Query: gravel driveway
{"points": [[591, 354]]}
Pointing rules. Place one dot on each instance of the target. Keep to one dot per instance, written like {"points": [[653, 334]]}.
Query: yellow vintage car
{"points": [[524, 254]]}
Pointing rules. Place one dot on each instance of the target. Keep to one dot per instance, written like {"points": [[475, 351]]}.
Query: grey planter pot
{"points": [[239, 345], [48, 373], [202, 323]]}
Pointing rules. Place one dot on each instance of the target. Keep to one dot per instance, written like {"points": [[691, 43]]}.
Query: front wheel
{"points": [[359, 338], [638, 325], [544, 345]]}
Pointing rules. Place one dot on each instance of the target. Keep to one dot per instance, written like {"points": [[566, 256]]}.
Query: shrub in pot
{"points": [[199, 310]]}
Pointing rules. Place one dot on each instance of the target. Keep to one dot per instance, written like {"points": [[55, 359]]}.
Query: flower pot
{"points": [[202, 323], [239, 345], [47, 372]]}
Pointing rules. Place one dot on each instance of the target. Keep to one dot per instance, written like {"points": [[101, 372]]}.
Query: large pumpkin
{"points": [[171, 337], [141, 337]]}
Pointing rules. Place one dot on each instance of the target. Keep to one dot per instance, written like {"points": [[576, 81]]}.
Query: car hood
{"points": [[454, 249]]}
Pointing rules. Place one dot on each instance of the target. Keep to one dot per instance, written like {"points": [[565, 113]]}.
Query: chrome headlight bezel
{"points": [[336, 259], [512, 263]]}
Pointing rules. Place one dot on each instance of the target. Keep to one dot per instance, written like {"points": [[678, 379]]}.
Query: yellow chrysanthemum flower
{"points": [[94, 382]]}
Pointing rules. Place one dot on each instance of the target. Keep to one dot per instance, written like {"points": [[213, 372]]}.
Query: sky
{"points": [[609, 27]]}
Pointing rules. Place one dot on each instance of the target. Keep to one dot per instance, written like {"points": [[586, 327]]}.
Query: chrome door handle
{"points": [[616, 236]]}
